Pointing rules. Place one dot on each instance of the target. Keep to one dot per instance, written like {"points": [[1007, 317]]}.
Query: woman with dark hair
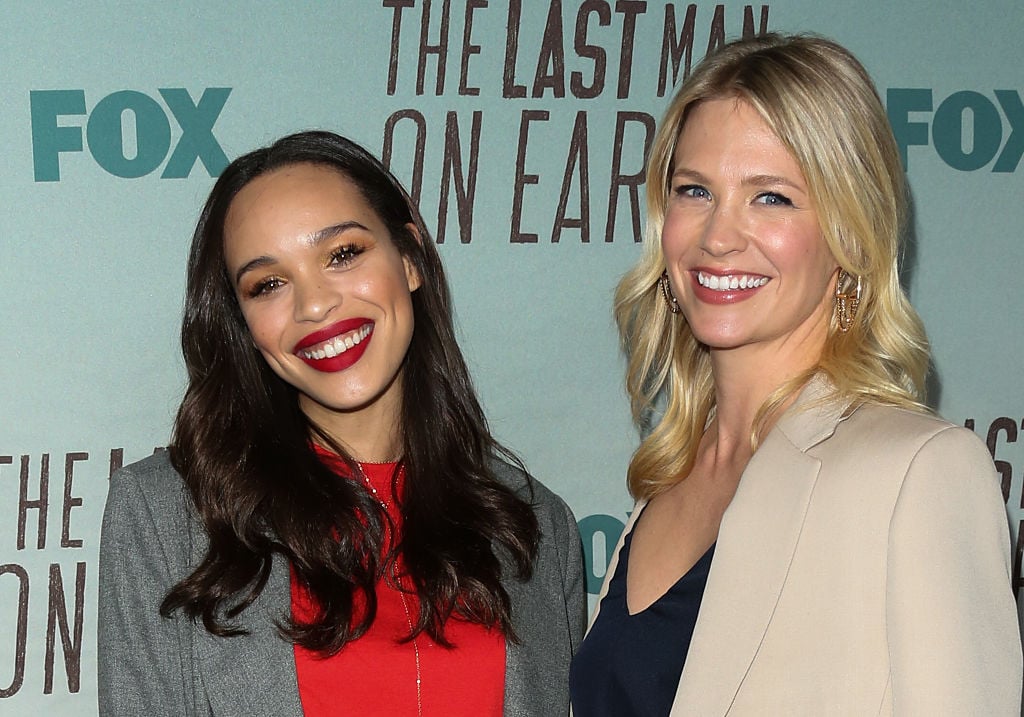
{"points": [[333, 529]]}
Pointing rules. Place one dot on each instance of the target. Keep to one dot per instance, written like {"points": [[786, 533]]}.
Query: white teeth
{"points": [[732, 282], [339, 344]]}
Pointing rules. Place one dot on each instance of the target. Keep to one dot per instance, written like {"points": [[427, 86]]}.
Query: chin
{"points": [[719, 338]]}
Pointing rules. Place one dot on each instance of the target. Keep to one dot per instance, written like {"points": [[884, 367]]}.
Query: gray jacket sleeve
{"points": [[141, 655], [548, 611]]}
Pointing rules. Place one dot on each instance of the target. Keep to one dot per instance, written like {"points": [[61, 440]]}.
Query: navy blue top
{"points": [[629, 665]]}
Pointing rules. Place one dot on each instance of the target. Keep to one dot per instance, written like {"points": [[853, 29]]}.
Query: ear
{"points": [[412, 275]]}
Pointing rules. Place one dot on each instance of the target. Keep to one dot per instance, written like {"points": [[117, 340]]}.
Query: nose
{"points": [[724, 231], [314, 299]]}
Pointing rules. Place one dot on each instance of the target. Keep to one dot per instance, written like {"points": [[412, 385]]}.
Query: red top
{"points": [[376, 675]]}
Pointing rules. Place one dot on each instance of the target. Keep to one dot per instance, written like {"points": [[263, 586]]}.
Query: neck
{"points": [[369, 434], [745, 378]]}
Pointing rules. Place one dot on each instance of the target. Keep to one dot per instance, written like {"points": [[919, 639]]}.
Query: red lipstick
{"points": [[343, 359]]}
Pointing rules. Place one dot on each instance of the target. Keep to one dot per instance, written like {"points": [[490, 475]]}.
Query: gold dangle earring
{"points": [[847, 300], [666, 292]]}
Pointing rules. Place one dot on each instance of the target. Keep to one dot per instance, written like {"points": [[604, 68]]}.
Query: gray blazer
{"points": [[152, 666]]}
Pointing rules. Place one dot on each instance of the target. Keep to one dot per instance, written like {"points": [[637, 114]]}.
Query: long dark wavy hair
{"points": [[243, 447]]}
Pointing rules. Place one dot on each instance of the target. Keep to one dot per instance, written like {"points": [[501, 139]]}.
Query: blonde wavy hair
{"points": [[820, 102]]}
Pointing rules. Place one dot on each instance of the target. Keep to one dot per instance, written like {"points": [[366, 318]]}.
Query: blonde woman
{"points": [[808, 538]]}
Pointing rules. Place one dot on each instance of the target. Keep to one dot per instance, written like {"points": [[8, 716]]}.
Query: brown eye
{"points": [[345, 254], [263, 287]]}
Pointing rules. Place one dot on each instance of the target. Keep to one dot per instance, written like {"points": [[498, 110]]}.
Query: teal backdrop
{"points": [[521, 126]]}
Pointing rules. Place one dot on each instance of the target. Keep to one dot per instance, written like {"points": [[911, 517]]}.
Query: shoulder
{"points": [[887, 448], [894, 427], [545, 502], [155, 467], [903, 422], [153, 479], [901, 431], [150, 491], [558, 529]]}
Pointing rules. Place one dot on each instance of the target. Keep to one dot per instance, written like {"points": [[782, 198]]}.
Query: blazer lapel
{"points": [[536, 680], [756, 542], [253, 674], [530, 662], [517, 657], [613, 564]]}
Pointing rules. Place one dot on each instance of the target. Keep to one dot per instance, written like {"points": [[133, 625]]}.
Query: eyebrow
{"points": [[754, 180], [314, 239], [764, 180]]}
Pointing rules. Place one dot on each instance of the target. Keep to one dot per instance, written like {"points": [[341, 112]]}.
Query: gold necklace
{"points": [[415, 645], [401, 593], [380, 463], [370, 486]]}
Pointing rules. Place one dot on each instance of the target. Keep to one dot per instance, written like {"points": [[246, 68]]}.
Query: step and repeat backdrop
{"points": [[521, 127]]}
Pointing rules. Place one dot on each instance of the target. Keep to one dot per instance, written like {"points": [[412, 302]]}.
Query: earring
{"points": [[847, 301], [666, 292]]}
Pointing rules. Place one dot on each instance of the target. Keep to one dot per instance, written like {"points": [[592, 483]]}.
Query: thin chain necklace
{"points": [[401, 592], [415, 645]]}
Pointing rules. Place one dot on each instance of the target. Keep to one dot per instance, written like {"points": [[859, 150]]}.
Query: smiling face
{"points": [[323, 289], [744, 251]]}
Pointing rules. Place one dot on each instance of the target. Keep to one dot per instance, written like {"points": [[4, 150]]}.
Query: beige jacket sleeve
{"points": [[953, 637]]}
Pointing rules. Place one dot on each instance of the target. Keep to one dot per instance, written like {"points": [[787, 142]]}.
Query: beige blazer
{"points": [[862, 568]]}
